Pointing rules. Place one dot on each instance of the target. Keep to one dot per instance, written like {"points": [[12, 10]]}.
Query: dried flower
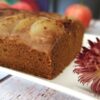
{"points": [[88, 65]]}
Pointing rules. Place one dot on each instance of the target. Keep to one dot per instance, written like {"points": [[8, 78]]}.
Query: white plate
{"points": [[66, 82]]}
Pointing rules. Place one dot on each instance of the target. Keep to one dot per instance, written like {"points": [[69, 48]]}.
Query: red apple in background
{"points": [[4, 5], [25, 6], [79, 12], [22, 6], [33, 4], [28, 1]]}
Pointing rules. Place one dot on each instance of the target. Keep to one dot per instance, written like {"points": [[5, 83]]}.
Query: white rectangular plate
{"points": [[66, 82], [3, 75]]}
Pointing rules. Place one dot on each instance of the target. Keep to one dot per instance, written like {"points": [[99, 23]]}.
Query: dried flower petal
{"points": [[88, 65]]}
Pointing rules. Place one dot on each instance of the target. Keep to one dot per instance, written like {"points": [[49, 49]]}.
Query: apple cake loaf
{"points": [[40, 44]]}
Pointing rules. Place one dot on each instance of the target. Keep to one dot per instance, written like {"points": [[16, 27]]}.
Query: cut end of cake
{"points": [[41, 44]]}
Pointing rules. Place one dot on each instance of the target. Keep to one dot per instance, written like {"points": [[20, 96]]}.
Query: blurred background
{"points": [[60, 5], [86, 11]]}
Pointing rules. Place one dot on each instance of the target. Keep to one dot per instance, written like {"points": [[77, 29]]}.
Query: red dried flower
{"points": [[88, 65]]}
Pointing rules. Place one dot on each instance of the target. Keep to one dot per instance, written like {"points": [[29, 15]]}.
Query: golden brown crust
{"points": [[41, 43]]}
